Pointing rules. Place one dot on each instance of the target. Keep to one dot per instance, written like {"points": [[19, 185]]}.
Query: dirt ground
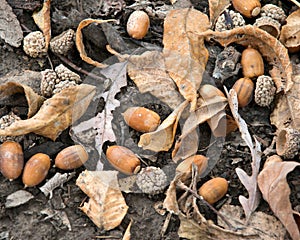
{"points": [[28, 221]]}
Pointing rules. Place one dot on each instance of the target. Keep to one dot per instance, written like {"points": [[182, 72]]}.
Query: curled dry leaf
{"points": [[56, 114], [18, 198], [271, 49], [162, 138], [106, 206], [34, 100], [184, 51], [170, 203], [216, 7], [79, 41], [275, 190]]}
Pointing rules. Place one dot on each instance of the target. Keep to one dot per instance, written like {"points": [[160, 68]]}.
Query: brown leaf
{"points": [[34, 100], [42, 19], [106, 206], [222, 124], [56, 114], [170, 203], [79, 41], [162, 138], [216, 7], [271, 49], [148, 72], [184, 51], [275, 190], [127, 234]]}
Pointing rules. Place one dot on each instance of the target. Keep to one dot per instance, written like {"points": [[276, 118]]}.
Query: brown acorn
{"points": [[71, 157], [36, 169], [11, 160], [123, 159], [249, 8], [214, 189], [244, 88], [252, 63], [138, 24], [141, 119]]}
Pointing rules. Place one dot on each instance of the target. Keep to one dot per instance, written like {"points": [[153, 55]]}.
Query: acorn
{"points": [[36, 169], [252, 63], [123, 159], [11, 160], [138, 24], [214, 189], [244, 88], [141, 119], [249, 8], [71, 157]]}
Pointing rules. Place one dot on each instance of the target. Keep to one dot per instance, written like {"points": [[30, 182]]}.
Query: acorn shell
{"points": [[138, 24], [11, 160], [214, 189], [71, 157], [248, 8], [244, 88], [252, 63], [36, 169], [141, 119], [123, 159]]}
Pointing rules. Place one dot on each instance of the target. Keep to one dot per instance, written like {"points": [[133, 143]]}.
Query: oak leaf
{"points": [[216, 7]]}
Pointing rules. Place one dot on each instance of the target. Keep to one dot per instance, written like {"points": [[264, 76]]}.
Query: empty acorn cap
{"points": [[269, 25], [288, 142]]}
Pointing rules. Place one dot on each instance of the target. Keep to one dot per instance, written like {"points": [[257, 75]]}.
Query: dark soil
{"points": [[28, 222]]}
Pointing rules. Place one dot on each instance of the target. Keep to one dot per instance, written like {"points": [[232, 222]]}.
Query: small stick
{"points": [[166, 224]]}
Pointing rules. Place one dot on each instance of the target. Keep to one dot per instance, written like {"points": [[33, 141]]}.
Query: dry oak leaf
{"points": [[106, 206], [184, 51], [34, 100], [56, 114], [42, 19], [216, 7], [275, 190], [163, 137], [290, 33], [148, 72], [271, 49]]}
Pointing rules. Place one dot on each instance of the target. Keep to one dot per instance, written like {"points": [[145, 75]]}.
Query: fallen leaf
{"points": [[184, 51], [56, 114], [163, 137], [216, 7], [34, 100], [271, 49], [275, 190], [106, 206], [127, 234], [18, 198], [11, 31], [148, 72], [170, 203], [42, 19], [222, 124]]}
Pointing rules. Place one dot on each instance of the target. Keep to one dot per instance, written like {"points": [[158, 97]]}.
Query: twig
{"points": [[166, 225]]}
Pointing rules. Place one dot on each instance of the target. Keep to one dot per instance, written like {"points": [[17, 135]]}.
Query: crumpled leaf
{"points": [[148, 72], [34, 100], [18, 198], [162, 138], [290, 32], [106, 206], [170, 203], [275, 190], [271, 49], [216, 7], [11, 31], [250, 182], [56, 114], [59, 217], [42, 19], [79, 40], [184, 51]]}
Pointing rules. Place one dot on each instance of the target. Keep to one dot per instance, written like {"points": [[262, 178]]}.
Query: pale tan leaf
{"points": [[216, 7], [42, 19], [106, 206], [127, 234], [79, 40], [222, 124], [170, 203], [275, 190], [184, 51], [56, 114], [148, 72], [271, 49], [162, 138]]}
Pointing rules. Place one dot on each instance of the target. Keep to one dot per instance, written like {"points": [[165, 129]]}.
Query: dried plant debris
{"points": [[18, 198], [59, 219], [229, 20], [216, 7], [11, 31]]}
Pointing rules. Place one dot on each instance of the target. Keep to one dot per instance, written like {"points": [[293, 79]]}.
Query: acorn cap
{"points": [[62, 85], [34, 44], [288, 142], [48, 82], [273, 11], [264, 91], [63, 74], [269, 25], [62, 43], [237, 20], [6, 121]]}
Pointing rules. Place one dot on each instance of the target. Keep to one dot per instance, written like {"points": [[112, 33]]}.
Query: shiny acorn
{"points": [[244, 88], [138, 24], [249, 8], [123, 159], [141, 119], [11, 160], [214, 189], [36, 169], [252, 63], [71, 157]]}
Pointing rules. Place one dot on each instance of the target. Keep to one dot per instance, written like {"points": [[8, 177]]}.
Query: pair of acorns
{"points": [[37, 167]]}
